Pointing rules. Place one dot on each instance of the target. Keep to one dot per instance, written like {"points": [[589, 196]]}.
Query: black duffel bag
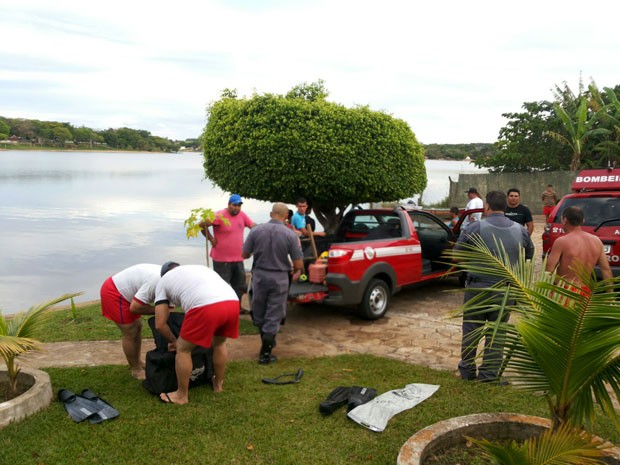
{"points": [[160, 369]]}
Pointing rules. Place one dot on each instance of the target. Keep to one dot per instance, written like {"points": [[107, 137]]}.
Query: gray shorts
{"points": [[234, 274]]}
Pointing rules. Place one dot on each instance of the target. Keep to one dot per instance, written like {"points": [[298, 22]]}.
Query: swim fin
{"points": [[107, 412], [79, 408]]}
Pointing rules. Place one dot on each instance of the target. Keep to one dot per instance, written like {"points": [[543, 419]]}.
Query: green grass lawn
{"points": [[88, 325], [250, 422]]}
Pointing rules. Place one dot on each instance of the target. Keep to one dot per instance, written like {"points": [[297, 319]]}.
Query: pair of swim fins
{"points": [[86, 405]]}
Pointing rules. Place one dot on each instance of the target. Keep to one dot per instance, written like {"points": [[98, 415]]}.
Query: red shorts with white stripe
{"points": [[114, 306], [219, 319]]}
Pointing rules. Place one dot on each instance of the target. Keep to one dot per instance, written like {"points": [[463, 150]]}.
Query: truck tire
{"points": [[376, 300]]}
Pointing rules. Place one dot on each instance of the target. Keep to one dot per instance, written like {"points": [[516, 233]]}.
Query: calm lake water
{"points": [[68, 220]]}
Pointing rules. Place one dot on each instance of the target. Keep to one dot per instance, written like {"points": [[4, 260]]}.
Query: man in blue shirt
{"points": [[299, 219]]}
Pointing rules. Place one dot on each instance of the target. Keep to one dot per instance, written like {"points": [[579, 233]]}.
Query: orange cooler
{"points": [[317, 272]]}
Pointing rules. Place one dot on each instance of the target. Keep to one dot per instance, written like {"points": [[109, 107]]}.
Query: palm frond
{"points": [[506, 454], [12, 345], [28, 324], [565, 342], [564, 446], [478, 259]]}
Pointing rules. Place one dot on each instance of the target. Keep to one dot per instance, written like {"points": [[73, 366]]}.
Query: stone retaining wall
{"points": [[531, 186]]}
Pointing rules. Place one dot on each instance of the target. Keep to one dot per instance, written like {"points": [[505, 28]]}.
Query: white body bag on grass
{"points": [[376, 413]]}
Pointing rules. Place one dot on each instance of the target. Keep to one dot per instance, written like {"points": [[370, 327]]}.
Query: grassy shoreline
{"points": [[87, 324], [93, 150]]}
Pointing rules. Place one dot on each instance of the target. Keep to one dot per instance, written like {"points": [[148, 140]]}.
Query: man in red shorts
{"points": [[211, 315], [125, 297]]}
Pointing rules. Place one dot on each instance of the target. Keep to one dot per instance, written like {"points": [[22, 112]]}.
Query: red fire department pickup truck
{"points": [[597, 193], [374, 253]]}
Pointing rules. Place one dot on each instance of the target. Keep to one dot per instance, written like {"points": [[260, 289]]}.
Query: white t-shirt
{"points": [[191, 286], [476, 202], [138, 282]]}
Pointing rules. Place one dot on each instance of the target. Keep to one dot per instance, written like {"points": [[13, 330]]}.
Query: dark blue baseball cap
{"points": [[167, 267]]}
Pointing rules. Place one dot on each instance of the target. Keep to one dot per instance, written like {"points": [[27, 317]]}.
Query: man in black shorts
{"points": [[227, 240]]}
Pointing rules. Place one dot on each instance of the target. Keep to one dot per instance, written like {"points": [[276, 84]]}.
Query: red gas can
{"points": [[317, 272]]}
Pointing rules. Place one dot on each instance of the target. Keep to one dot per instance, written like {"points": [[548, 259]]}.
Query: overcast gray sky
{"points": [[448, 68]]}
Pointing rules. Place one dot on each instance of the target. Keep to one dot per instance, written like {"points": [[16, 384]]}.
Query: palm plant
{"points": [[553, 447], [578, 129], [17, 336], [563, 344]]}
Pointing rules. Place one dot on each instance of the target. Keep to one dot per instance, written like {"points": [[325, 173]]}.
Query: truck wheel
{"points": [[376, 300]]}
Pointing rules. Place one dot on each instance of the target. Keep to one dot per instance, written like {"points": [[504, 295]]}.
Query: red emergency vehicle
{"points": [[374, 253], [597, 193]]}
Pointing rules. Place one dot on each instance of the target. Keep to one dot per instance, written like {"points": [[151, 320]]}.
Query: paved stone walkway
{"points": [[415, 330]]}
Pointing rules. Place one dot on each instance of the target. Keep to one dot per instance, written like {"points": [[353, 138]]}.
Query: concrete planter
{"points": [[37, 396], [452, 432]]}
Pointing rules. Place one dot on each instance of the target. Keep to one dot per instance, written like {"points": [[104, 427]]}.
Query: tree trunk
{"points": [[575, 161], [329, 217]]}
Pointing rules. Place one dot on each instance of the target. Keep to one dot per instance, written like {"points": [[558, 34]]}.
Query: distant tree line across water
{"points": [[40, 134], [19, 132], [459, 151]]}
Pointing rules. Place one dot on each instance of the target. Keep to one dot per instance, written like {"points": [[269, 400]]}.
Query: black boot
{"points": [[360, 395], [336, 399], [269, 342]]}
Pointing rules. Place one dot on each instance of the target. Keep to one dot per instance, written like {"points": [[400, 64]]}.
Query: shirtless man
{"points": [[576, 247]]}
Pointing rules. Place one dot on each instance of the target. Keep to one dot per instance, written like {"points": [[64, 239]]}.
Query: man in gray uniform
{"points": [[493, 230], [271, 244]]}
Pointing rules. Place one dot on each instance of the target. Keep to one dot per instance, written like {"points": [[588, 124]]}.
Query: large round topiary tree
{"points": [[277, 148]]}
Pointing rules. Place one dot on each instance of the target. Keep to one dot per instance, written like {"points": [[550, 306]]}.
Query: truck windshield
{"points": [[595, 209]]}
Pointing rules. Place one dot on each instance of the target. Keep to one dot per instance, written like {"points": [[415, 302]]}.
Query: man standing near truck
{"points": [[497, 231], [474, 202], [518, 212], [272, 244], [576, 248], [227, 240], [549, 199]]}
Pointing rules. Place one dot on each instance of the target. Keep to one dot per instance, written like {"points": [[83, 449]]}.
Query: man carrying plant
{"points": [[227, 241], [498, 234]]}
